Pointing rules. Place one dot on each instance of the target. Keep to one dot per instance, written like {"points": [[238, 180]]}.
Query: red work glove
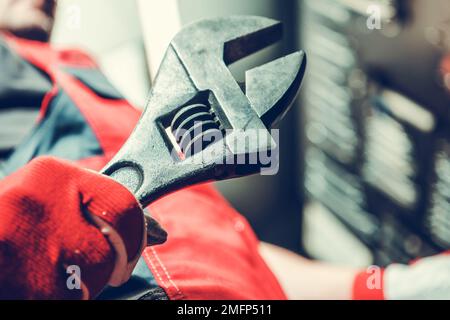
{"points": [[57, 219]]}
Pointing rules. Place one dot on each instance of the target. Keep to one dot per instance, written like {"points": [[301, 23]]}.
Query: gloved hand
{"points": [[60, 226]]}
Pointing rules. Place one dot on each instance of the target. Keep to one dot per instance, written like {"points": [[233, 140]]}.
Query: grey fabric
{"points": [[63, 133], [141, 286], [15, 123], [22, 88], [156, 293], [96, 81]]}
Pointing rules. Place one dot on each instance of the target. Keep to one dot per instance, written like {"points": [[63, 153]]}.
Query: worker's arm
{"points": [[301, 278], [65, 232], [306, 279]]}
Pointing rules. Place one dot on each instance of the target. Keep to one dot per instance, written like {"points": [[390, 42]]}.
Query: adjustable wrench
{"points": [[197, 108]]}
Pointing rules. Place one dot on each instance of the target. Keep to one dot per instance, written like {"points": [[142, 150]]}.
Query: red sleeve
{"points": [[371, 284]]}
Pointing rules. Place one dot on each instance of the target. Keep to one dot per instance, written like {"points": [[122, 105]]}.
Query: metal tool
{"points": [[197, 108]]}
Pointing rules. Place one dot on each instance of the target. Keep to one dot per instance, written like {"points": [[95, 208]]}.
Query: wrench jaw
{"points": [[269, 32], [228, 39], [272, 87]]}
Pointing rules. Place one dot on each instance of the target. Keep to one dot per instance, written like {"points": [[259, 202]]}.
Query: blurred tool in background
{"points": [[369, 140], [376, 113]]}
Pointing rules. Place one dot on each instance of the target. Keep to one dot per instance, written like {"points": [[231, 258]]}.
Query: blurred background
{"points": [[365, 151]]}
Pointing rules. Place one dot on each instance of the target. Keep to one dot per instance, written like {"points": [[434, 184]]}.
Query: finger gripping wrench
{"points": [[198, 119]]}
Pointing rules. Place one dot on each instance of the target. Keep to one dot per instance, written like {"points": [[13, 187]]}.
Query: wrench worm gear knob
{"points": [[194, 123], [198, 119]]}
